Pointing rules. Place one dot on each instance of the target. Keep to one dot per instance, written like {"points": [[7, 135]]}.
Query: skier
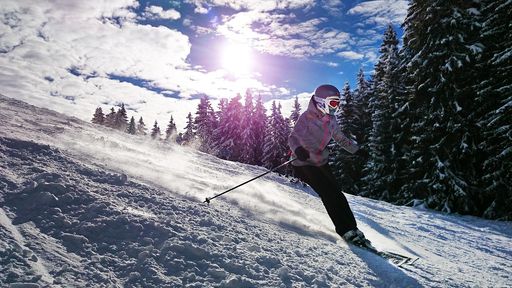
{"points": [[308, 141]]}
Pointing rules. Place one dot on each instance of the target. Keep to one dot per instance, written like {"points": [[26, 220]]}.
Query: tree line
{"points": [[434, 120], [119, 120], [236, 132]]}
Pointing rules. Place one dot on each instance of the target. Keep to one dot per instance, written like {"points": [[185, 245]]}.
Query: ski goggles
{"points": [[331, 101]]}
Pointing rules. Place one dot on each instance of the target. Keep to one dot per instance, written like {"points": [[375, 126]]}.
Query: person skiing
{"points": [[308, 142]]}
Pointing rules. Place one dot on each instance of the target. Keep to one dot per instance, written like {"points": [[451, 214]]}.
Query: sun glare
{"points": [[237, 59]]}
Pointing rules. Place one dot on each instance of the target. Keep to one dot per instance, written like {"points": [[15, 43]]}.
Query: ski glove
{"points": [[302, 154]]}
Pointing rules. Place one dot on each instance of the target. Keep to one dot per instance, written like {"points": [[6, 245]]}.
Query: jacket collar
{"points": [[314, 112]]}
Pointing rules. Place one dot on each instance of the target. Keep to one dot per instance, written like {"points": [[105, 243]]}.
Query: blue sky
{"points": [[158, 57]]}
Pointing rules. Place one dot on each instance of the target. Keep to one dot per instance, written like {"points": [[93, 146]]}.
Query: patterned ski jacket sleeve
{"points": [[345, 142]]}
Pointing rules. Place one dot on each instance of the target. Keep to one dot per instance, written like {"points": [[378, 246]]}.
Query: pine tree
{"points": [[189, 136], [341, 161], [283, 132], [276, 138], [378, 170], [361, 130], [110, 118], [400, 92], [121, 119], [132, 129], [141, 127], [156, 134], [98, 117], [259, 126], [228, 134], [179, 138], [362, 115], [296, 111], [440, 35], [220, 116], [247, 131], [205, 123], [171, 131], [494, 113], [347, 117]]}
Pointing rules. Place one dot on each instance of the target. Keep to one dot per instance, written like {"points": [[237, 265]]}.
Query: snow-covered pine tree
{"points": [[98, 117], [189, 136], [441, 35], [205, 123], [400, 128], [220, 115], [259, 125], [141, 127], [121, 119], [222, 106], [179, 138], [247, 130], [341, 161], [228, 134], [284, 131], [171, 131], [132, 128], [494, 115], [156, 134], [346, 117], [378, 170], [276, 138], [362, 126], [110, 118], [295, 111]]}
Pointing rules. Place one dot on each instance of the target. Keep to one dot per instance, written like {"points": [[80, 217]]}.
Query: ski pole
{"points": [[208, 199]]}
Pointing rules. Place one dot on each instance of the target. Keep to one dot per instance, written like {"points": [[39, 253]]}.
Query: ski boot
{"points": [[357, 238]]}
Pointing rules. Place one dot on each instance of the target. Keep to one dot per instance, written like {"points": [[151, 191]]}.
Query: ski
{"points": [[396, 259]]}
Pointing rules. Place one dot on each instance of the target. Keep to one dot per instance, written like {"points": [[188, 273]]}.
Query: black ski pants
{"points": [[325, 185]]}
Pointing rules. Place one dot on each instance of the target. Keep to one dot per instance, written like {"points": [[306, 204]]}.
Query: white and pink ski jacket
{"points": [[313, 131]]}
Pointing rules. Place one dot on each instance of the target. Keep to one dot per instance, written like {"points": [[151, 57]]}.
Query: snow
{"points": [[475, 48], [457, 107], [473, 11], [85, 206]]}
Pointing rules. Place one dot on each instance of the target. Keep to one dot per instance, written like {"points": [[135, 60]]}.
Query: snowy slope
{"points": [[84, 206]]}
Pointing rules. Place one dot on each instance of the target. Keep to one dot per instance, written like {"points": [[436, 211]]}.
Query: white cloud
{"points": [[382, 12], [372, 56], [202, 6], [62, 55], [351, 55], [333, 6], [283, 34], [155, 12], [263, 25]]}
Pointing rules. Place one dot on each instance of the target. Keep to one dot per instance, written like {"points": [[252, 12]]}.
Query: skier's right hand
{"points": [[301, 153]]}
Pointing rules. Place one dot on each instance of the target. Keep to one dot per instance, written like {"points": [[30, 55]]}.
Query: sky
{"points": [[160, 57]]}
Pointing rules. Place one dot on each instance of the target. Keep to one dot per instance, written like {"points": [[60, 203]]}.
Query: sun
{"points": [[237, 59]]}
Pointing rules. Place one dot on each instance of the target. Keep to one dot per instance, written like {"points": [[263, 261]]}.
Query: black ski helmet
{"points": [[326, 90], [327, 99]]}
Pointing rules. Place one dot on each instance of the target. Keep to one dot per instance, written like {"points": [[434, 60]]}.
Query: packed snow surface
{"points": [[86, 206]]}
